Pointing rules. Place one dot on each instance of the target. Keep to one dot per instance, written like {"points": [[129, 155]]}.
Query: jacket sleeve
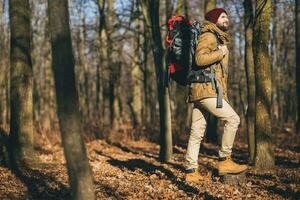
{"points": [[206, 52]]}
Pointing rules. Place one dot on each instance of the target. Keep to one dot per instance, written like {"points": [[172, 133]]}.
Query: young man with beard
{"points": [[211, 96]]}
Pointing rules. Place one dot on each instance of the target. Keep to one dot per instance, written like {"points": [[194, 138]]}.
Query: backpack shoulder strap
{"points": [[219, 40], [221, 62]]}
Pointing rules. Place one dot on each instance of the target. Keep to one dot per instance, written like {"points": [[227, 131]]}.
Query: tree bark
{"points": [[151, 13], [82, 69], [80, 175], [182, 8], [4, 160], [136, 75], [147, 111], [99, 73], [264, 151], [297, 9], [212, 124], [169, 9], [102, 72], [114, 71], [3, 84], [209, 5], [21, 123], [249, 64]]}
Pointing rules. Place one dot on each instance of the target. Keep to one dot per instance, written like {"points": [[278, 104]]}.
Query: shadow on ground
{"points": [[42, 184], [163, 173]]}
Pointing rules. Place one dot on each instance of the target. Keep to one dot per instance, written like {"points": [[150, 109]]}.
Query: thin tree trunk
{"points": [[180, 7], [114, 71], [151, 13], [3, 89], [212, 124], [249, 63], [7, 78], [111, 70], [115, 100], [80, 175], [103, 63], [7, 71], [275, 103], [278, 62], [83, 68], [209, 5], [264, 151], [146, 72], [99, 86], [21, 123], [169, 9], [298, 61], [2, 69], [136, 76]]}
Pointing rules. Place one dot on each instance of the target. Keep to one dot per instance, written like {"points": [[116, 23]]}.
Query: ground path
{"points": [[131, 170]]}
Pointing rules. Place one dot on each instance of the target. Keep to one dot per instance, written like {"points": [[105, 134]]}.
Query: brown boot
{"points": [[227, 166], [194, 176]]}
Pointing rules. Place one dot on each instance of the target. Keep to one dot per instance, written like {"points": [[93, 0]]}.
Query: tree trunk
{"points": [[209, 5], [2, 69], [298, 61], [182, 8], [115, 95], [136, 76], [21, 123], [147, 119], [3, 90], [102, 72], [277, 67], [114, 70], [151, 13], [82, 68], [212, 124], [273, 58], [99, 85], [249, 64], [80, 175], [264, 151], [169, 9]]}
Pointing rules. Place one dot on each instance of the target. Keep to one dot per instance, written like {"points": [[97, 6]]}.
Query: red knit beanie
{"points": [[214, 14]]}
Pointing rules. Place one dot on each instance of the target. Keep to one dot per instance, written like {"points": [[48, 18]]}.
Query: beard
{"points": [[223, 27]]}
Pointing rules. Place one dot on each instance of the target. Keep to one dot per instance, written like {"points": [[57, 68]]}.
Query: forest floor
{"points": [[131, 170]]}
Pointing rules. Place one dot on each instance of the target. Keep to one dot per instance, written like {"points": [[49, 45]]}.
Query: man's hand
{"points": [[224, 49]]}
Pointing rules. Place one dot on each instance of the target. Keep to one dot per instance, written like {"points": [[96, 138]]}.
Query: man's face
{"points": [[223, 22]]}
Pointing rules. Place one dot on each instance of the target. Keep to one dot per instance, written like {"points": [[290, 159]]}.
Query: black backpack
{"points": [[181, 40]]}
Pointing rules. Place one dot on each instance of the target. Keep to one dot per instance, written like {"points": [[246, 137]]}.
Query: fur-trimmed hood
{"points": [[207, 26]]}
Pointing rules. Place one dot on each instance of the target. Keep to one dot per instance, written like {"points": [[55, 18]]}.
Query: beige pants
{"points": [[201, 109]]}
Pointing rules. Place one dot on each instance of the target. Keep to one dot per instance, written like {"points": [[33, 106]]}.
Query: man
{"points": [[211, 96]]}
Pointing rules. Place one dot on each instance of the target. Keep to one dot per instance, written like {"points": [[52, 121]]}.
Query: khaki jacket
{"points": [[207, 54]]}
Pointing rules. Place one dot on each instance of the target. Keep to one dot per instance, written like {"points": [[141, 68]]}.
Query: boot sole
{"points": [[231, 173]]}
